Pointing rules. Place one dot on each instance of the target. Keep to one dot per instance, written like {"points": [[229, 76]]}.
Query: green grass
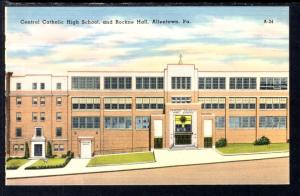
{"points": [[250, 148], [121, 159], [15, 163], [51, 161]]}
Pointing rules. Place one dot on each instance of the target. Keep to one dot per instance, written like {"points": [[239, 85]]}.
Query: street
{"points": [[267, 171]]}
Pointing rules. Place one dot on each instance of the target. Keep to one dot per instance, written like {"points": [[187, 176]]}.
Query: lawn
{"points": [[15, 163], [121, 159], [51, 163], [250, 148]]}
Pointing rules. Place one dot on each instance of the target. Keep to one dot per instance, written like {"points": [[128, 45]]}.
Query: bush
{"points": [[221, 143], [26, 155], [49, 150], [262, 141], [288, 141], [158, 142], [63, 156]]}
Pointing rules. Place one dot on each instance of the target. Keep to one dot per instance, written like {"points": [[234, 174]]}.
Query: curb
{"points": [[132, 169], [250, 153]]}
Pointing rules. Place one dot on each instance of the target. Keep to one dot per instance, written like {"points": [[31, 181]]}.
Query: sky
{"points": [[216, 38]]}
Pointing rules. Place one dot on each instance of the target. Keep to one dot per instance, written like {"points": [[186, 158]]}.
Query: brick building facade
{"points": [[100, 112]]}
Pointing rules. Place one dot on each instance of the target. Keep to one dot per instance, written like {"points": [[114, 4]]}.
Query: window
{"points": [[58, 132], [91, 83], [85, 122], [42, 100], [34, 116], [242, 83], [18, 100], [242, 103], [212, 102], [18, 86], [273, 103], [117, 82], [211, 83], [56, 147], [86, 103], [149, 103], [21, 147], [120, 103], [18, 132], [117, 122], [58, 101], [18, 117], [58, 116], [42, 116], [42, 86], [142, 122], [181, 82], [149, 82], [272, 122], [34, 86], [38, 132], [181, 99], [61, 147], [273, 83], [16, 147], [220, 122], [58, 86], [242, 122], [34, 100]]}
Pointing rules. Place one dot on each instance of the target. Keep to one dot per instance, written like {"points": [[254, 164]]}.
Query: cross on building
{"points": [[180, 59]]}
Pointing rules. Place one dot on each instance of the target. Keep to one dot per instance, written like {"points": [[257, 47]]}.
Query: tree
{"points": [[49, 150], [26, 155]]}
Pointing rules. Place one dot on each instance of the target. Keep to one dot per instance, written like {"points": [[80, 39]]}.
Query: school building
{"points": [[102, 112]]}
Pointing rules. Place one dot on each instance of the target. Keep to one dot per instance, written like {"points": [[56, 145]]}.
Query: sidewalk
{"points": [[164, 158]]}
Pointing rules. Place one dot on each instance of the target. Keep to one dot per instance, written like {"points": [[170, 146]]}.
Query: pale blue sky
{"points": [[217, 37]]}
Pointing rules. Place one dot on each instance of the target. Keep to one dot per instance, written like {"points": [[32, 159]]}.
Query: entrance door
{"points": [[207, 133], [38, 150], [183, 130], [86, 150]]}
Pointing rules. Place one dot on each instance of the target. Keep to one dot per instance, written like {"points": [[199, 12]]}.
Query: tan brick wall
{"points": [[113, 141]]}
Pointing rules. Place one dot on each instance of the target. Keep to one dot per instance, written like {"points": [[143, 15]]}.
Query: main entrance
{"points": [[183, 130], [38, 150]]}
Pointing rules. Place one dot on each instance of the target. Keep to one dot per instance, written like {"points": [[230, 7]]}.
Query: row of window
{"points": [[35, 116], [250, 122], [93, 83], [211, 83], [181, 99], [149, 82], [143, 122], [181, 83], [110, 122], [38, 132], [35, 86], [85, 103], [273, 83], [35, 101]]}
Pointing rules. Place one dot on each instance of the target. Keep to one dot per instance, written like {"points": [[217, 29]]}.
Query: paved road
{"points": [[268, 171]]}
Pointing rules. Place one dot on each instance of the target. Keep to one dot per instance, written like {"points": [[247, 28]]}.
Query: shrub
{"points": [[49, 150], [221, 143], [63, 156], [158, 142], [288, 141], [26, 155], [262, 141]]}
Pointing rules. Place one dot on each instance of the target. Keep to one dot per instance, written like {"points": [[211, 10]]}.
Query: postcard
{"points": [[162, 95]]}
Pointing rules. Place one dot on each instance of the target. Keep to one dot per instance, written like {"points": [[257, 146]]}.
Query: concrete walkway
{"points": [[164, 158]]}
